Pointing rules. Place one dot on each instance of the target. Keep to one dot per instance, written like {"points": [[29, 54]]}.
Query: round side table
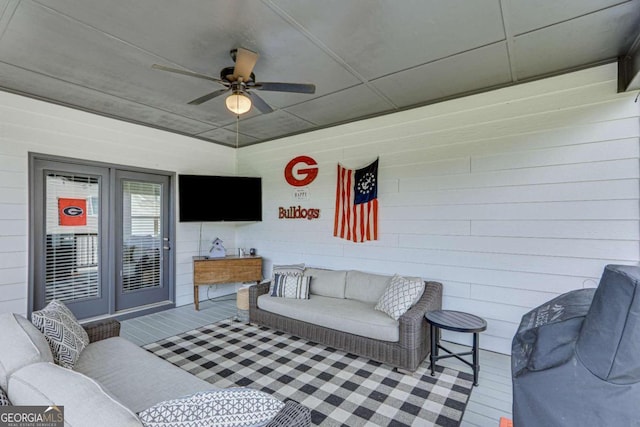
{"points": [[456, 321]]}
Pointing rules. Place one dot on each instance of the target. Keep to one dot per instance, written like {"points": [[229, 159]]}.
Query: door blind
{"points": [[141, 231], [72, 237]]}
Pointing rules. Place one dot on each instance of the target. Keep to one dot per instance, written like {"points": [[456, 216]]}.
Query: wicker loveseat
{"points": [[340, 313], [111, 382]]}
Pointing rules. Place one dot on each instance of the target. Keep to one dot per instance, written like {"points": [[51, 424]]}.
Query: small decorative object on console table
{"points": [[456, 321], [230, 269], [217, 249]]}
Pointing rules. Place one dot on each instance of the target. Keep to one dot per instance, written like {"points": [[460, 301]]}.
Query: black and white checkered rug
{"points": [[339, 388]]}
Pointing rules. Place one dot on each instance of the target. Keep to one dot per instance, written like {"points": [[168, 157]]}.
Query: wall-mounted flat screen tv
{"points": [[203, 198]]}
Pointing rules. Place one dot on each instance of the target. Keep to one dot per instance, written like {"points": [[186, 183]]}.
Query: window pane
{"points": [[72, 237], [141, 231]]}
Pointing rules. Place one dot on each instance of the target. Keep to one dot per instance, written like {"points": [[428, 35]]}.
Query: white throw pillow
{"points": [[237, 407], [400, 295], [66, 337], [285, 270], [288, 270], [291, 286]]}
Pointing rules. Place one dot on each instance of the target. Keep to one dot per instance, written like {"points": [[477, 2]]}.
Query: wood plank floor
{"points": [[489, 401]]}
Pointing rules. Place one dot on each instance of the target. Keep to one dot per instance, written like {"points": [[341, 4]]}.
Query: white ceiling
{"points": [[366, 57]]}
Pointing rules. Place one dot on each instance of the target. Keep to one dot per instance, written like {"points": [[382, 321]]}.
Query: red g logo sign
{"points": [[301, 176], [72, 212]]}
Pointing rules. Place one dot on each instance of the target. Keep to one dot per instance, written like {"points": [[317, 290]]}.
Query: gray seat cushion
{"points": [[351, 316], [134, 376], [326, 283], [365, 287], [86, 403]]}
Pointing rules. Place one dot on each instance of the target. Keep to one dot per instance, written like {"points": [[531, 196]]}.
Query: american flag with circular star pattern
{"points": [[356, 216]]}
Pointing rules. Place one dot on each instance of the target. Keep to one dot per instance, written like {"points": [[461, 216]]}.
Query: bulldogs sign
{"points": [[300, 172]]}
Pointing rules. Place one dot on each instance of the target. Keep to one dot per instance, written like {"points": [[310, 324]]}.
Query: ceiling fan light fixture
{"points": [[240, 81], [238, 103]]}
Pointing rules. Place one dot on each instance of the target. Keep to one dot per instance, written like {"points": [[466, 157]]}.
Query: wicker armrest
{"points": [[411, 322], [292, 415], [102, 329], [262, 288], [256, 291]]}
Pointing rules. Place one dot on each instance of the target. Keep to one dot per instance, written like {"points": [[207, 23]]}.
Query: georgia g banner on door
{"points": [[72, 212]]}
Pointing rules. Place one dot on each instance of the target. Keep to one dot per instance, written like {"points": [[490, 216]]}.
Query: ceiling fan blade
{"points": [[208, 96], [286, 87], [245, 61], [259, 103], [186, 73]]}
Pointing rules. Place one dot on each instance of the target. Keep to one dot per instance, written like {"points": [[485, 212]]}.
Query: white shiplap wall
{"points": [[508, 198], [27, 125]]}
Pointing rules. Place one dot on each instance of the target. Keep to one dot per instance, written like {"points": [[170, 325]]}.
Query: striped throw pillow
{"points": [[290, 286]]}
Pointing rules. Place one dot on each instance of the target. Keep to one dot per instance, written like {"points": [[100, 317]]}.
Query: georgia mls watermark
{"points": [[31, 416]]}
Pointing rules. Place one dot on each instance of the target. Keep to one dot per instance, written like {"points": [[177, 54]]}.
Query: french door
{"points": [[70, 252], [100, 237], [142, 239]]}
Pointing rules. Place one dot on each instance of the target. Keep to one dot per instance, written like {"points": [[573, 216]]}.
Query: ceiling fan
{"points": [[241, 82]]}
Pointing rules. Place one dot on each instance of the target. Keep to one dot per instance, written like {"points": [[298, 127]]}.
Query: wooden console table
{"points": [[230, 269]]}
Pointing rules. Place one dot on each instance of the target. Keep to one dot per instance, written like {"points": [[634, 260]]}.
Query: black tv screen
{"points": [[203, 198]]}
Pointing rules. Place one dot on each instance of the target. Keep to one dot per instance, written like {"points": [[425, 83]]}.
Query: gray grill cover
{"points": [[547, 334], [576, 359], [609, 345]]}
